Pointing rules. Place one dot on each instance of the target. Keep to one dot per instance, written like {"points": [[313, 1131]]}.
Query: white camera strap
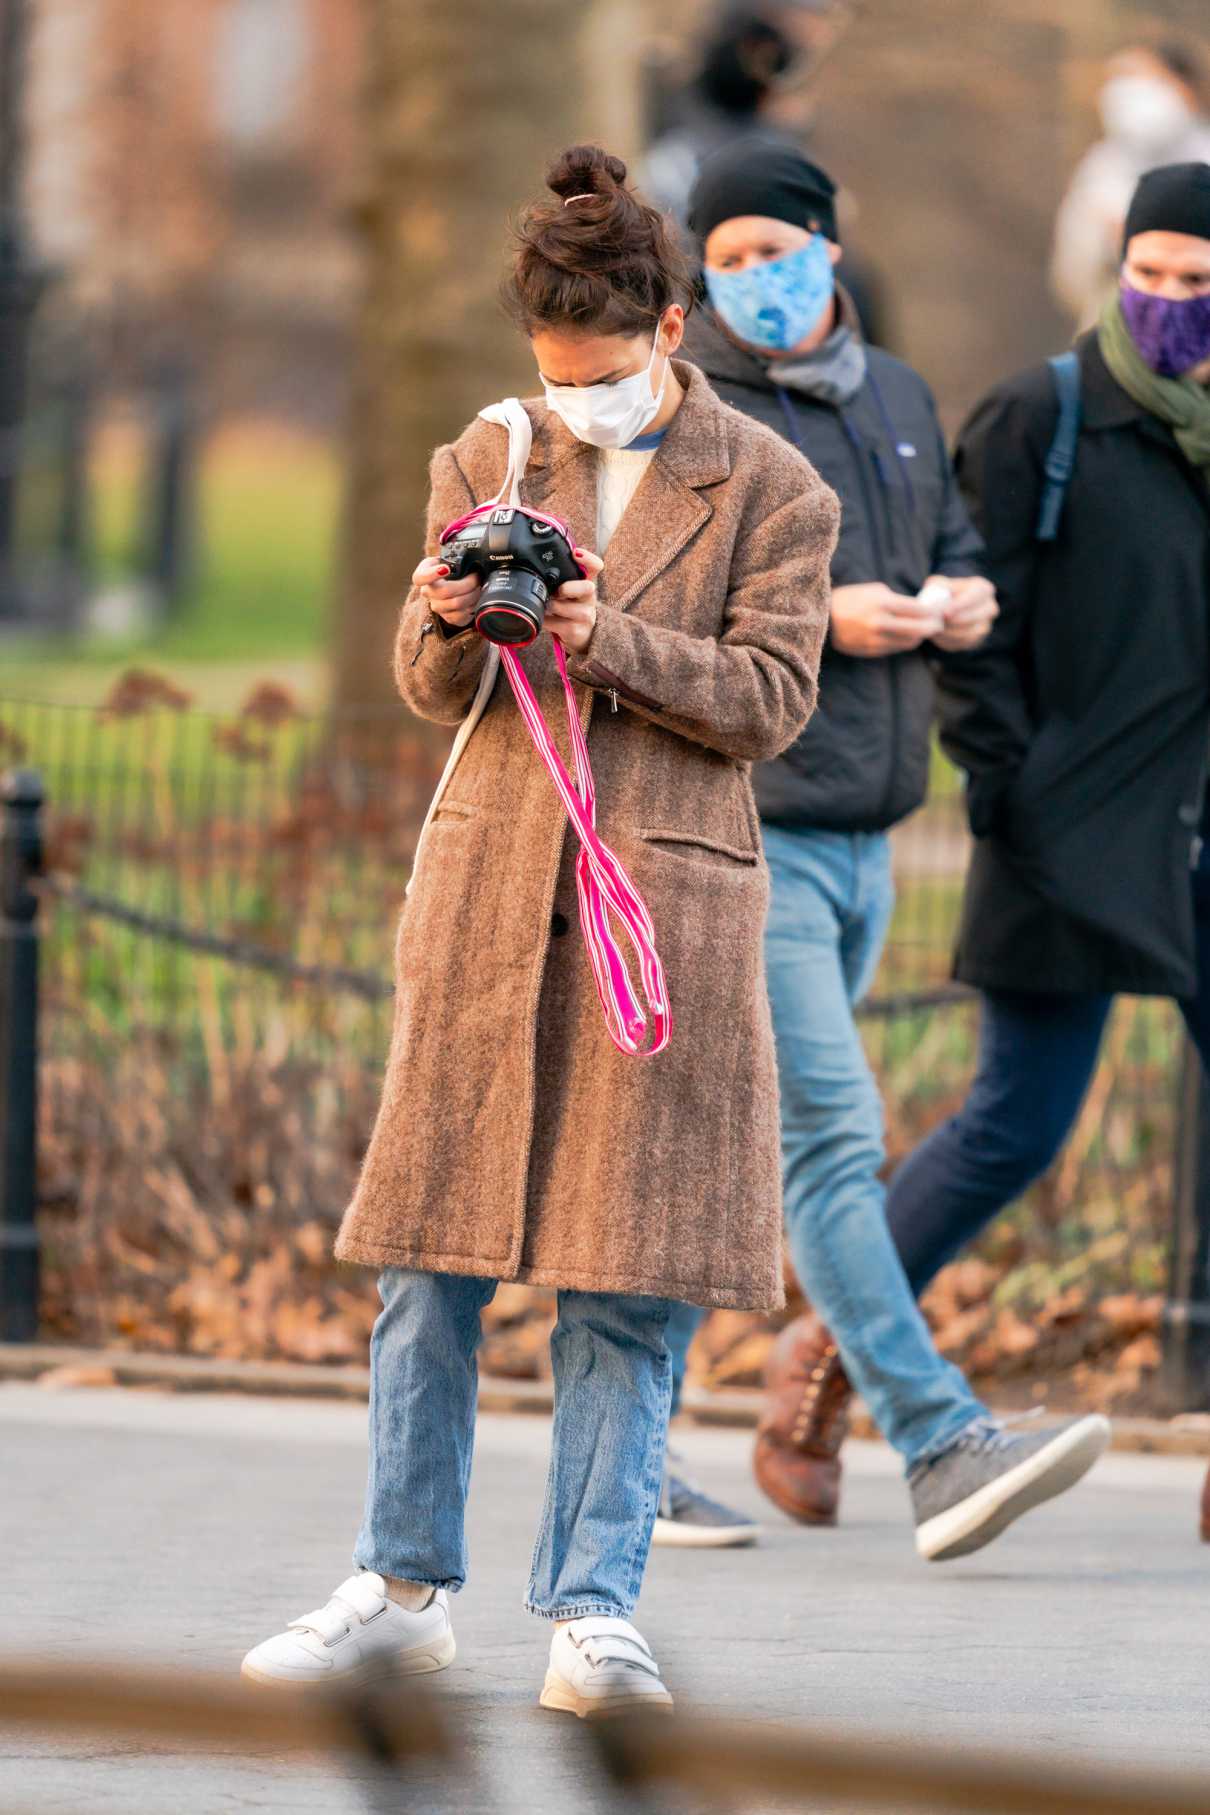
{"points": [[510, 415]]}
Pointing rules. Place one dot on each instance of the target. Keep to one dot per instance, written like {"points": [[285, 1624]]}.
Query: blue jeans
{"points": [[1037, 1055], [831, 906], [612, 1379]]}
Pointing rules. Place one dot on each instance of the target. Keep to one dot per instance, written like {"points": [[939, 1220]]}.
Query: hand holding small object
{"points": [[970, 612], [872, 620]]}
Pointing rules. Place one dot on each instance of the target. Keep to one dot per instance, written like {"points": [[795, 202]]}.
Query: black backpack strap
{"points": [[1061, 458]]}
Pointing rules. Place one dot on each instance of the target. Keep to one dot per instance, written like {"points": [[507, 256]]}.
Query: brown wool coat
{"points": [[514, 1141]]}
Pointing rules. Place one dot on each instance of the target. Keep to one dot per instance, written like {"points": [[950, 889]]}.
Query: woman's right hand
{"points": [[454, 601]]}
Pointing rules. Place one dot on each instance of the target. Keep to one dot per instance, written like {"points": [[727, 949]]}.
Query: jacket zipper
{"points": [[892, 675], [426, 630], [612, 685], [1197, 841], [857, 449]]}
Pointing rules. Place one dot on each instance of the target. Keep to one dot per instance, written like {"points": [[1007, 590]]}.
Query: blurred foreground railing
{"points": [[387, 1734]]}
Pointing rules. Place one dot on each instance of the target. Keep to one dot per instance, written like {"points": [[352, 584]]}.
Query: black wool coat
{"points": [[1083, 721], [863, 761]]}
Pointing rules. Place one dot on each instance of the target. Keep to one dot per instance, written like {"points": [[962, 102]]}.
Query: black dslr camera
{"points": [[522, 556]]}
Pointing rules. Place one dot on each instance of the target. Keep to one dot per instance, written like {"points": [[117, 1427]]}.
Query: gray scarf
{"points": [[832, 374]]}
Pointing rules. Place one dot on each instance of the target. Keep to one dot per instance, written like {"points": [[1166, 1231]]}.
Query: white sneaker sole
{"points": [[422, 1660], [674, 1536], [558, 1694], [981, 1517]]}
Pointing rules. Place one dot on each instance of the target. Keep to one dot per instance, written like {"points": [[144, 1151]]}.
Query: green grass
{"points": [[267, 507]]}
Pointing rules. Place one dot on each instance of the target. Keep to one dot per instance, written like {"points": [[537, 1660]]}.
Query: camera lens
{"points": [[512, 607]]}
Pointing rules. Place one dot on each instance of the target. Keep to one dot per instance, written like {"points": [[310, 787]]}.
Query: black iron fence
{"points": [[218, 896]]}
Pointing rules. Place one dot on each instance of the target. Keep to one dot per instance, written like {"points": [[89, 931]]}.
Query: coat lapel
{"points": [[662, 517], [668, 508], [567, 487]]}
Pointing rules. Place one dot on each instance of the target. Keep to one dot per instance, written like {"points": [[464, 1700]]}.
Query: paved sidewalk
{"points": [[184, 1528]]}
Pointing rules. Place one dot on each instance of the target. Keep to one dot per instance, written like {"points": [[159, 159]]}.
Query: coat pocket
{"points": [[700, 848], [1034, 803], [449, 835]]}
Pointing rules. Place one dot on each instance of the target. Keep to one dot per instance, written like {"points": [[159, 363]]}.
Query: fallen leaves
{"points": [[176, 1221], [62, 1379]]}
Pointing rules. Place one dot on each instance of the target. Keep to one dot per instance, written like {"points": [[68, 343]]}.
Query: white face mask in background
{"points": [[1143, 113], [609, 415]]}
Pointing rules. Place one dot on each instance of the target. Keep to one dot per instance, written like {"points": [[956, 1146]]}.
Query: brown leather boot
{"points": [[1206, 1509], [804, 1423]]}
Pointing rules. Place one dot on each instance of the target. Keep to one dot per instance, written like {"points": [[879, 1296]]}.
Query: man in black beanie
{"points": [[1083, 722], [779, 342]]}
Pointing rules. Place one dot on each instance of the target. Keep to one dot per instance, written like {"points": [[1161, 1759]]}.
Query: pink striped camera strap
{"points": [[601, 882]]}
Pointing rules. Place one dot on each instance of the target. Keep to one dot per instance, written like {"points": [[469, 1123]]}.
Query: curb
{"points": [[63, 1366]]}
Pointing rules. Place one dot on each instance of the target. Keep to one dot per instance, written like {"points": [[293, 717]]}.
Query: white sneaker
{"points": [[600, 1665], [359, 1635]]}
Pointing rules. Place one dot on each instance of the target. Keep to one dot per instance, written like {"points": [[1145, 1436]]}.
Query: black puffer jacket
{"points": [[862, 762]]}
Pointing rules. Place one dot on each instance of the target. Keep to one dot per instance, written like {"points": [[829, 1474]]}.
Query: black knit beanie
{"points": [[1173, 199], [762, 176]]}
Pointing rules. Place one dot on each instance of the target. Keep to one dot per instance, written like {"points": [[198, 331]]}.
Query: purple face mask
{"points": [[1172, 337]]}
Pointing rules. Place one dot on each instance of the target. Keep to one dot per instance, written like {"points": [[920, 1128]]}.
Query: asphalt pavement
{"points": [[149, 1528]]}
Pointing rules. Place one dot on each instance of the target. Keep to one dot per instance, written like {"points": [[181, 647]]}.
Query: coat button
{"points": [[1188, 814], [559, 925]]}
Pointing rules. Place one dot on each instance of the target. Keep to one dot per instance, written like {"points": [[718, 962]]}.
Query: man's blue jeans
{"points": [[831, 906], [1037, 1056], [613, 1382]]}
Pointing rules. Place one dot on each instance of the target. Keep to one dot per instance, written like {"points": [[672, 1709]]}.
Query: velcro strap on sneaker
{"points": [[357, 1599], [607, 1626], [604, 1638], [364, 1593], [327, 1623]]}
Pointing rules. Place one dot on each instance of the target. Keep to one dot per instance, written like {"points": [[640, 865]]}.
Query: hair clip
{"points": [[588, 196]]}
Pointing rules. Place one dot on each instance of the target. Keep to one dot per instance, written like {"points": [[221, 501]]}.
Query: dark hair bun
{"points": [[597, 257], [585, 170]]}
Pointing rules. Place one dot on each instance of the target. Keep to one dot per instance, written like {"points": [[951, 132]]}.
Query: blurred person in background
{"points": [[751, 53], [1082, 724], [1153, 104], [514, 1140], [779, 342], [752, 84]]}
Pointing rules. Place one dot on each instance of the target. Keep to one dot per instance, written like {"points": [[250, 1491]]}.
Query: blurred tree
{"points": [[463, 107]]}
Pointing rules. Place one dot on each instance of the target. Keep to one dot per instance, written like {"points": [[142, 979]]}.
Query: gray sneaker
{"points": [[690, 1519], [974, 1490]]}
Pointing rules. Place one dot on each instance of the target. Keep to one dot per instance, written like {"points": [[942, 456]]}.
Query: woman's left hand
{"points": [[572, 613]]}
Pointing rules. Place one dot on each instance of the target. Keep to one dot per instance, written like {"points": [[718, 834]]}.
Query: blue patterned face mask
{"points": [[776, 305]]}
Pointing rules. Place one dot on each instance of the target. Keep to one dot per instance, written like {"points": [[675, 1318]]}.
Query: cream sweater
{"points": [[618, 480]]}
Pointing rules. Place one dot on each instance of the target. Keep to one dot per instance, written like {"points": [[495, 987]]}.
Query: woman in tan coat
{"points": [[515, 1141]]}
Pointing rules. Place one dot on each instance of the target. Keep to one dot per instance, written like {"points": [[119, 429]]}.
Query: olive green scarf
{"points": [[1180, 402]]}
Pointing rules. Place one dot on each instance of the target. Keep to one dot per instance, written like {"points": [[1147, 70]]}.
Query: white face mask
{"points": [[1143, 113], [609, 415]]}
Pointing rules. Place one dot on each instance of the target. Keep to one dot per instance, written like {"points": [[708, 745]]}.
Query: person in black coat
{"points": [[1082, 724]]}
